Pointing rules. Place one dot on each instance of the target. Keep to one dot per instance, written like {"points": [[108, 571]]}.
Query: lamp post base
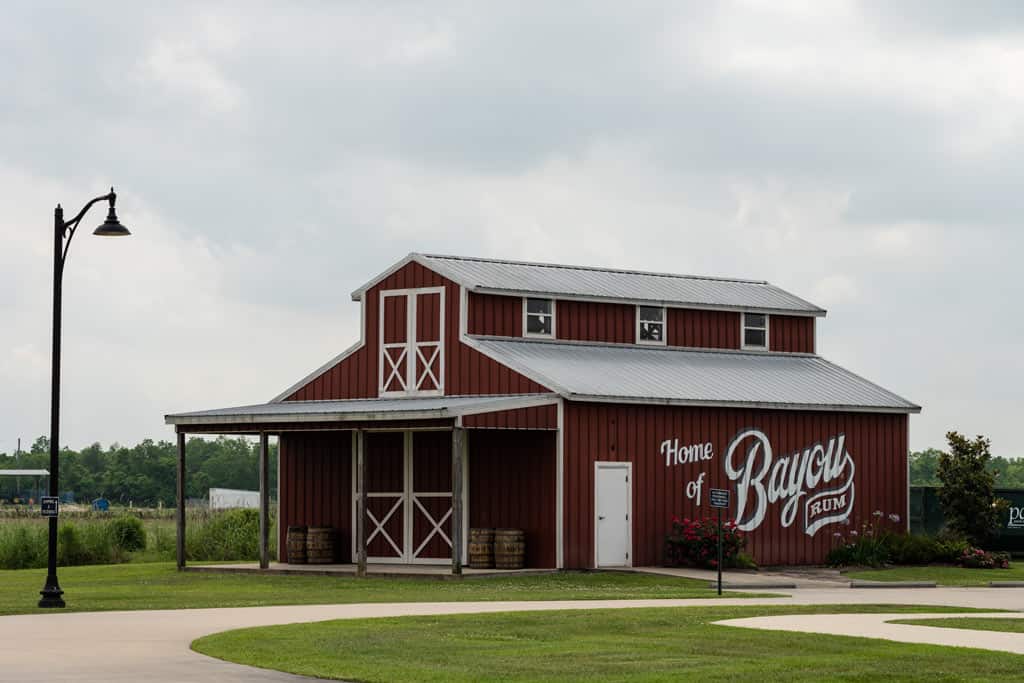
{"points": [[51, 595]]}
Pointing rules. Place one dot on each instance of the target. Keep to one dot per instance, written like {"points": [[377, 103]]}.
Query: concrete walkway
{"points": [[153, 646], [877, 626], [737, 579]]}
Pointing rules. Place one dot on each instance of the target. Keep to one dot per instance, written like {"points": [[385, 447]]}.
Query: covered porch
{"points": [[431, 468]]}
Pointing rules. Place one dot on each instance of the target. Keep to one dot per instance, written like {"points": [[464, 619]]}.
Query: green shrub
{"points": [[86, 544], [127, 533], [226, 536], [949, 548], [912, 549], [22, 546]]}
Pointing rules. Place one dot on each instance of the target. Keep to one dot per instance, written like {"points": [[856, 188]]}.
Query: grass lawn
{"points": [[161, 586], [977, 624], [659, 644], [944, 575]]}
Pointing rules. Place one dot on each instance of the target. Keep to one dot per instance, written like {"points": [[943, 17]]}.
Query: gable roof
{"points": [[606, 284], [630, 374]]}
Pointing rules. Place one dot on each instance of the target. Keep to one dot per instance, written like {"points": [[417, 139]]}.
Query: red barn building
{"points": [[587, 406]]}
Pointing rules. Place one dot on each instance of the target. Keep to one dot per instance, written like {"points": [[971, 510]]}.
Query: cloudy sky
{"points": [[867, 156]]}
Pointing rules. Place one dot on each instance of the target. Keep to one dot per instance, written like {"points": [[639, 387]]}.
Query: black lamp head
{"points": [[111, 227]]}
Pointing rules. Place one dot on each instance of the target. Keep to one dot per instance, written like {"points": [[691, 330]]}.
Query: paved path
{"points": [[877, 626], [153, 646]]}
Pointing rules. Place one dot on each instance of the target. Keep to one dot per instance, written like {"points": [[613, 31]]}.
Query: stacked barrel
{"points": [[296, 545], [320, 545], [509, 548], [481, 548]]}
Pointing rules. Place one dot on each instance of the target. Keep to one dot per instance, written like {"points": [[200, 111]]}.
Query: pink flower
{"points": [[894, 518], [876, 513], [853, 532]]}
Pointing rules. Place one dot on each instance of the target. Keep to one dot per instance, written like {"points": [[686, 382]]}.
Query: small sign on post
{"points": [[720, 500], [48, 506]]}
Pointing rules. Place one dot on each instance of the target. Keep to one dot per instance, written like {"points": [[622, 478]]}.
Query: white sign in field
{"points": [[223, 499]]}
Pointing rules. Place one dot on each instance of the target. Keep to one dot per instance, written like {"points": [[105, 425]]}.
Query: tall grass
{"points": [[100, 538]]}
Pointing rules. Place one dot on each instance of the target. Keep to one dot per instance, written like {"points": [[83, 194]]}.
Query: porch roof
{"points": [[360, 410]]}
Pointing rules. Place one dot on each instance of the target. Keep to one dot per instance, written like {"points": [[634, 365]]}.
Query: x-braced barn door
{"points": [[412, 342], [409, 502]]}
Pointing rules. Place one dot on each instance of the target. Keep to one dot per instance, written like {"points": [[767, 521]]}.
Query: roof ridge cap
{"points": [[622, 271]]}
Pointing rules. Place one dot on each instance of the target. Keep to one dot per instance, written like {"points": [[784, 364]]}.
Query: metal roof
{"points": [[436, 407], [24, 473], [625, 374], [584, 282]]}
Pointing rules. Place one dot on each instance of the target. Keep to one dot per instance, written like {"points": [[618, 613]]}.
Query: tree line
{"points": [[1008, 472], [145, 474]]}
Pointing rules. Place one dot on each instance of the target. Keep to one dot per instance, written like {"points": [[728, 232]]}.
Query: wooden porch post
{"points": [[360, 456], [264, 500], [458, 445], [181, 500]]}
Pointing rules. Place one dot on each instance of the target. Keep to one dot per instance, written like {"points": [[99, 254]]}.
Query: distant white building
{"points": [[222, 499]]}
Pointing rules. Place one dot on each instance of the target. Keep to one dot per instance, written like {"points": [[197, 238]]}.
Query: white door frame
{"points": [[416, 353], [406, 504], [628, 466]]}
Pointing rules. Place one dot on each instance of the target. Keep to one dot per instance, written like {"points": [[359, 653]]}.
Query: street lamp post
{"points": [[63, 232]]}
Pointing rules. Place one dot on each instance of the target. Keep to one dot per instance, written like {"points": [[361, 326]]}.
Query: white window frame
{"points": [[664, 327], [554, 317], [416, 351], [743, 332]]}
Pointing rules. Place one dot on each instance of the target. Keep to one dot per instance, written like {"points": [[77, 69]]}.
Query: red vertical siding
{"points": [[315, 484], [599, 322], [791, 333], [876, 442], [541, 417], [512, 485], [492, 314], [703, 329], [467, 371]]}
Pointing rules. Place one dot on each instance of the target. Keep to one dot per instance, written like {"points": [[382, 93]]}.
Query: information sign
{"points": [[49, 506], [720, 498]]}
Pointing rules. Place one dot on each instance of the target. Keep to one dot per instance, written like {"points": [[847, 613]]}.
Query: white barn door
{"points": [[612, 507]]}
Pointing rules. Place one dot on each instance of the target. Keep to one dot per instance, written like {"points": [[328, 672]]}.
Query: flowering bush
{"points": [[976, 558], [869, 546], [694, 542]]}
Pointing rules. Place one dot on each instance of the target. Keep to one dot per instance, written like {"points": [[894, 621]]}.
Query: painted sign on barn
{"points": [[817, 480]]}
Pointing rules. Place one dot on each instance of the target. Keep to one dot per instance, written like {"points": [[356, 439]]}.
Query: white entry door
{"points": [[612, 507]]}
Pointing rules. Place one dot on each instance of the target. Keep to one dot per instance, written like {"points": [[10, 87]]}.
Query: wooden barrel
{"points": [[320, 545], [509, 548], [481, 548], [296, 545]]}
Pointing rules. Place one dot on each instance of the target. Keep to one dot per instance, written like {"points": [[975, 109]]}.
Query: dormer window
{"points": [[650, 325], [755, 331], [539, 318]]}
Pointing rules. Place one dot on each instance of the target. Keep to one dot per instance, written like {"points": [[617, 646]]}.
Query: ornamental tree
{"points": [[967, 491]]}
